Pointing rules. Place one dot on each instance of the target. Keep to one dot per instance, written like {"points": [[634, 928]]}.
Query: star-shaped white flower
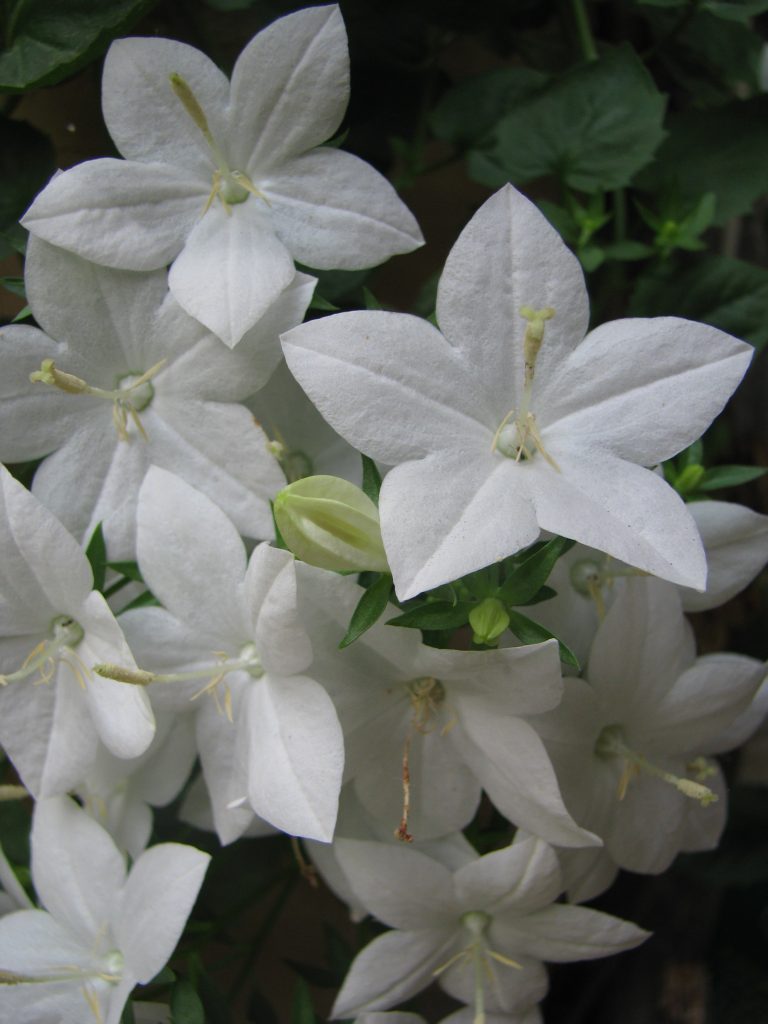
{"points": [[268, 735], [509, 423], [103, 929], [482, 929], [53, 627], [229, 182], [156, 388], [629, 741]]}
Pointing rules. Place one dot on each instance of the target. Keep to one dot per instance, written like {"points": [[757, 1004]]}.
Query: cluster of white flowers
{"points": [[504, 423]]}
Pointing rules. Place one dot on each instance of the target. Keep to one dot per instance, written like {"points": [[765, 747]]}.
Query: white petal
{"points": [[509, 256], [77, 869], [231, 269], [134, 216], [373, 377], [196, 580], [523, 877], [146, 119], [270, 593], [32, 942], [332, 210], [391, 969], [736, 543], [433, 533], [156, 902], [221, 753], [563, 933], [398, 885], [507, 988], [296, 756], [290, 88], [620, 389]]}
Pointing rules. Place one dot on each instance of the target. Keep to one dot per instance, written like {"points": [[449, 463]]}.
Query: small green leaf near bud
{"points": [[488, 620], [689, 479], [330, 523]]}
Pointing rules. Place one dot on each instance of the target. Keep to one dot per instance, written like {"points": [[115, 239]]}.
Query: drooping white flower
{"points": [[102, 930], [268, 735], [482, 929], [425, 729], [629, 741], [53, 628], [229, 182], [509, 423], [156, 388]]}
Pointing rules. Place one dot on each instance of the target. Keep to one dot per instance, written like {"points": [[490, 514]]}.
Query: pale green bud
{"points": [[488, 619], [332, 524]]}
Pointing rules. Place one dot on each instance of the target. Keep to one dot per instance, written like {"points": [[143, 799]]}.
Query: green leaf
{"points": [[27, 161], [45, 42], [716, 290], [471, 109], [433, 615], [15, 285], [145, 600], [129, 569], [302, 1011], [23, 314], [735, 10], [729, 476], [723, 151], [127, 1016], [96, 553], [593, 128], [371, 302], [531, 632], [527, 579], [371, 479], [322, 305], [369, 610], [186, 1005], [627, 251]]}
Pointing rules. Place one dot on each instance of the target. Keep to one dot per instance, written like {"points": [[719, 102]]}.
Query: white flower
{"points": [[102, 930], [628, 741], [268, 735], [53, 628], [111, 329], [510, 423], [227, 181], [449, 723], [483, 929]]}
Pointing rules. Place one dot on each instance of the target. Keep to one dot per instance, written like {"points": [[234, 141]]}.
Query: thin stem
{"points": [[584, 30]]}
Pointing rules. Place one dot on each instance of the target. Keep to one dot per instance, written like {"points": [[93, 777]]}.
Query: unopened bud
{"points": [[488, 619], [330, 523]]}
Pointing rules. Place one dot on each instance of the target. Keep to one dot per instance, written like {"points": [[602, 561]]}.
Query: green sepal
{"points": [[371, 479], [96, 553], [531, 632], [435, 615], [369, 610], [529, 576]]}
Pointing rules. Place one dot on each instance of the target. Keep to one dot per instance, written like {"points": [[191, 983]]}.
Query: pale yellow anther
{"points": [[121, 674], [189, 102], [534, 335]]}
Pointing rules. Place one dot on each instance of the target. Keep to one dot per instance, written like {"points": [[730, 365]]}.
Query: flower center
{"points": [[133, 393], [517, 436], [611, 743], [230, 186], [64, 635]]}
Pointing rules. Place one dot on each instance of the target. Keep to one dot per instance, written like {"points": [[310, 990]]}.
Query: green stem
{"points": [[583, 30]]}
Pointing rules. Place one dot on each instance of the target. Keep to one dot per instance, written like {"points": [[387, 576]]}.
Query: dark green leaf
{"points": [[23, 314], [15, 285], [145, 600], [336, 285], [434, 615], [45, 42], [531, 632], [186, 1005], [96, 553], [26, 163], [129, 569], [729, 476], [322, 305], [529, 576], [722, 151], [735, 10], [369, 610], [471, 109], [723, 292], [593, 128], [302, 1011], [627, 251], [127, 1015], [371, 302], [371, 479]]}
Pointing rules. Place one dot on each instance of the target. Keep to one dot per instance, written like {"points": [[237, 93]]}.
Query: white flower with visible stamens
{"points": [[230, 182], [229, 646], [129, 380], [511, 421], [53, 628], [629, 741], [482, 929], [103, 929]]}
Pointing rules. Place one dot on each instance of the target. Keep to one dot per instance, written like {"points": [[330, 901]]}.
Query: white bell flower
{"points": [[102, 930], [53, 628], [511, 421], [229, 182]]}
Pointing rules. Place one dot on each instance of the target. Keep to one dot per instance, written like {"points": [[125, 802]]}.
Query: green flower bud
{"points": [[488, 619], [332, 524]]}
